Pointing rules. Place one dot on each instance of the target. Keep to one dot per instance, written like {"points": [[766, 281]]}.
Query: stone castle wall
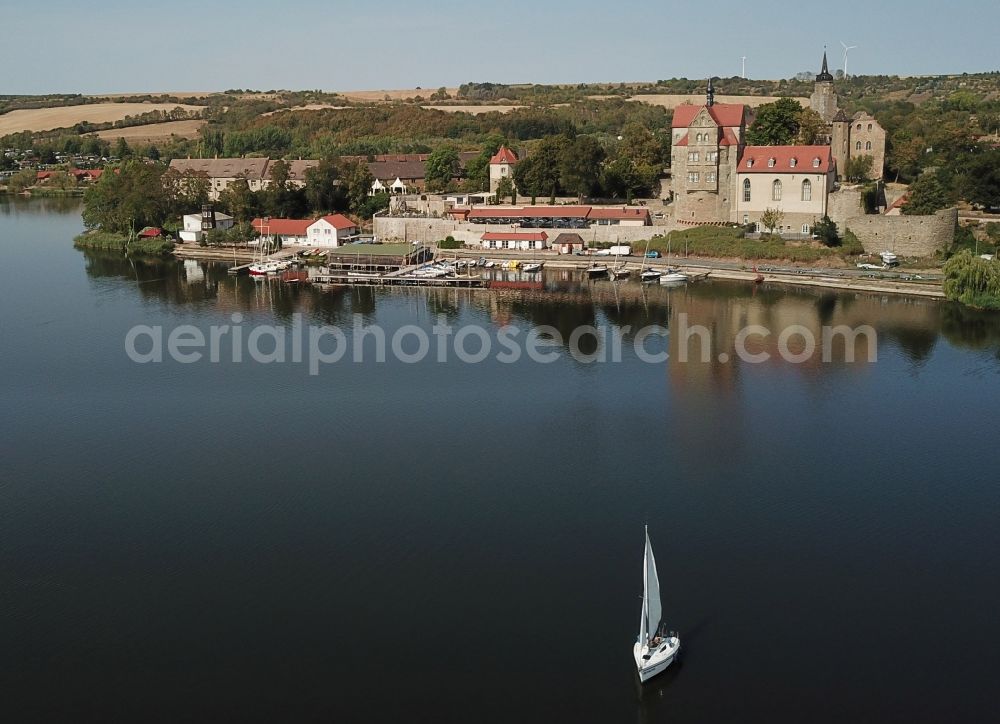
{"points": [[918, 236], [396, 229]]}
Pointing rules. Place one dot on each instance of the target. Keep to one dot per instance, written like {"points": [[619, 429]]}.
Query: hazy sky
{"points": [[115, 46]]}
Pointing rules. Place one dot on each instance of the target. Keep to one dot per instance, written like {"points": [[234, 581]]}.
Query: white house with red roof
{"points": [[797, 180], [331, 230], [287, 231], [501, 166], [520, 240], [718, 178]]}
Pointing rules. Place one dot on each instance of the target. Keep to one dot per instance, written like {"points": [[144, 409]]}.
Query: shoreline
{"points": [[803, 276]]}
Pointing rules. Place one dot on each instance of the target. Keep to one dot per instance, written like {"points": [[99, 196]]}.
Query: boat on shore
{"points": [[655, 649]]}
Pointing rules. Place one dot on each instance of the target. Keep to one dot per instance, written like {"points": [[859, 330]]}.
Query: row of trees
{"points": [[140, 194]]}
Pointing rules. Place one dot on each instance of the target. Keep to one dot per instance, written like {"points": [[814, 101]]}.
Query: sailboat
{"points": [[654, 650], [672, 276], [648, 275]]}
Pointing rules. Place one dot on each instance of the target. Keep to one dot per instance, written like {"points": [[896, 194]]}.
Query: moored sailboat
{"points": [[654, 650]]}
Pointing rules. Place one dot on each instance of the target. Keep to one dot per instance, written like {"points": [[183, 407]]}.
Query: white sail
{"points": [[651, 610]]}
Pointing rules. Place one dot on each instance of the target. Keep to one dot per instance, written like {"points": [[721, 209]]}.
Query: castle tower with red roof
{"points": [[501, 166]]}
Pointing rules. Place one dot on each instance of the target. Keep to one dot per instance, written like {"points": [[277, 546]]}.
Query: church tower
{"points": [[824, 99]]}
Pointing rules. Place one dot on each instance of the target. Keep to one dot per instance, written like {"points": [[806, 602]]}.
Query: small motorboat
{"points": [[620, 273], [489, 264], [532, 267], [650, 276], [597, 270]]}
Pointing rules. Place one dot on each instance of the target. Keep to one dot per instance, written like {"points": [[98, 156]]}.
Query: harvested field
{"points": [[47, 119], [474, 110], [672, 101], [307, 107], [371, 96], [153, 132]]}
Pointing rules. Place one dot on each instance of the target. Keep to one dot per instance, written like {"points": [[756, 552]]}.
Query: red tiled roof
{"points": [[282, 227], [622, 213], [729, 137], [532, 212], [504, 155], [514, 236], [725, 114], [339, 221], [804, 157]]}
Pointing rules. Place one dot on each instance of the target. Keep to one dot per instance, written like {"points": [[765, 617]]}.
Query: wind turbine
{"points": [[744, 73], [847, 49]]}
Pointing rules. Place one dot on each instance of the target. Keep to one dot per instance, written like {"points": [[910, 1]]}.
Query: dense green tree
{"points": [[980, 174], [580, 166], [322, 187], [538, 174], [122, 149], [506, 190], [238, 200], [621, 179], [127, 201], [357, 182], [826, 231], [927, 195], [783, 123], [442, 166]]}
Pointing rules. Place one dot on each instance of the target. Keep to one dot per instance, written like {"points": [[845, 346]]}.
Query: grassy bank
{"points": [[728, 242], [107, 241]]}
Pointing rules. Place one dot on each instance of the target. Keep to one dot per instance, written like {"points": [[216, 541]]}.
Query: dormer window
{"points": [[771, 162], [793, 163], [749, 163], [815, 163]]}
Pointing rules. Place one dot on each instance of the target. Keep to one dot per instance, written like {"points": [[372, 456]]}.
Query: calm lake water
{"points": [[462, 542]]}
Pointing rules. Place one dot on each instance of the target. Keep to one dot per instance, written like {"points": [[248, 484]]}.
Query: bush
{"points": [[450, 242], [851, 244]]}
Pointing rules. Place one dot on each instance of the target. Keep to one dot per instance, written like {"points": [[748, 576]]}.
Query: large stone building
{"points": [[717, 177]]}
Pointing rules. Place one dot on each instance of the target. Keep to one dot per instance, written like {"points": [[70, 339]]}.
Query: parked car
{"points": [[653, 254]]}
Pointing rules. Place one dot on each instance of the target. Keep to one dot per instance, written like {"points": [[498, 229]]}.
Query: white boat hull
{"points": [[658, 661]]}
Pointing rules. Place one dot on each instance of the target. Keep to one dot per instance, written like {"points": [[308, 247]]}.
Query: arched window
{"points": [[807, 190], [746, 191], [857, 146], [776, 190], [868, 146], [869, 126]]}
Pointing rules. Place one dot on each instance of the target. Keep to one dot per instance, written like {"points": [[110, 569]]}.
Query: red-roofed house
{"points": [[619, 216], [289, 231], [501, 166], [523, 240], [797, 180], [331, 230]]}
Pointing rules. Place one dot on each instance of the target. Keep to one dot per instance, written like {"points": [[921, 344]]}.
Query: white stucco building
{"points": [[795, 180], [331, 230]]}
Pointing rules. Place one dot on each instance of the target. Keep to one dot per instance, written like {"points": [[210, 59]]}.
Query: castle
{"points": [[718, 177]]}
